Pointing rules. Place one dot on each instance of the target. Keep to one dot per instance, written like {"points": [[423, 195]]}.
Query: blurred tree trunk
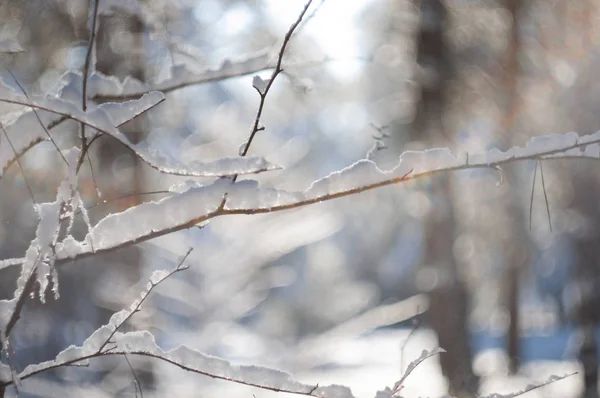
{"points": [[449, 306], [587, 274], [581, 103], [517, 242]]}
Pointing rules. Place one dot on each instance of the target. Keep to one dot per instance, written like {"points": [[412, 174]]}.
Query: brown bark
{"points": [[515, 262]]}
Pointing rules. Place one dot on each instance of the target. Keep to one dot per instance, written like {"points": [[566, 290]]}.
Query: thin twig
{"points": [[19, 164], [10, 353], [532, 191], [180, 364], [413, 329], [136, 381], [545, 196], [87, 154], [37, 116], [79, 119], [310, 17], [86, 70], [88, 55], [263, 93], [16, 314], [20, 154], [145, 294]]}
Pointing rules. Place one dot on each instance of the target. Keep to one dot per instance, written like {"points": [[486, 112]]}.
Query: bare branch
{"points": [[19, 164], [136, 381], [16, 313], [88, 55], [311, 16], [545, 196], [263, 92], [86, 69], [18, 154], [532, 192], [38, 118], [119, 319]]}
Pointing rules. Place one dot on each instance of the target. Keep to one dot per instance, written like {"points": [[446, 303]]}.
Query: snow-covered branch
{"points": [[425, 354], [200, 203], [143, 343], [108, 341], [531, 387], [182, 77], [107, 117]]}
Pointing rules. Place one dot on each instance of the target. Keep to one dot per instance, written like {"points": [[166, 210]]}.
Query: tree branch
{"points": [[263, 92]]}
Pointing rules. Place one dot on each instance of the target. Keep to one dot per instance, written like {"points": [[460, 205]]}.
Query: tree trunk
{"points": [[449, 297]]}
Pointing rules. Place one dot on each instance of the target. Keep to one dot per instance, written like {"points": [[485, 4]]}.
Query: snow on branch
{"points": [[392, 392], [108, 341], [100, 85], [413, 365], [105, 118], [143, 343], [96, 344], [365, 175], [200, 203], [148, 219], [122, 112], [38, 266], [182, 76], [22, 127], [10, 262]]}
